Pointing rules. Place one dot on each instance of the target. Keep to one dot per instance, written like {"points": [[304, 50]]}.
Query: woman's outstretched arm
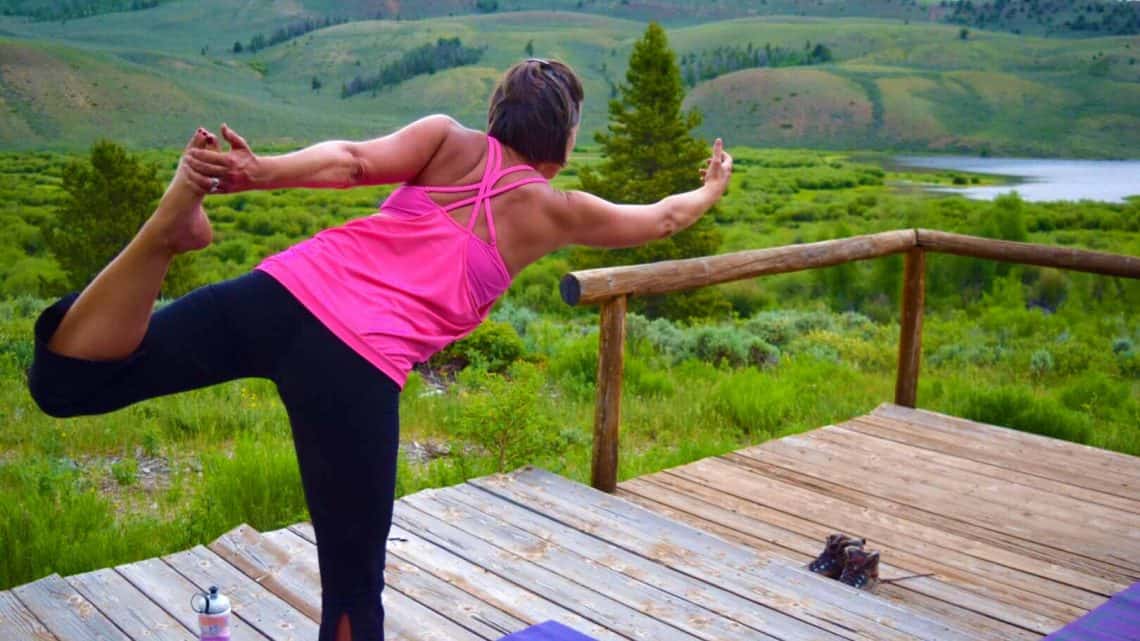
{"points": [[585, 219], [397, 157]]}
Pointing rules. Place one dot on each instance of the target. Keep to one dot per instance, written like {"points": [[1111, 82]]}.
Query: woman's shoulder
{"points": [[459, 150]]}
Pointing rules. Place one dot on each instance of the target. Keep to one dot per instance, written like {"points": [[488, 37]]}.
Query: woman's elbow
{"points": [[669, 222]]}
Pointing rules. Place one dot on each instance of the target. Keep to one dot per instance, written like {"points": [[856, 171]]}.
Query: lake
{"points": [[1040, 179]]}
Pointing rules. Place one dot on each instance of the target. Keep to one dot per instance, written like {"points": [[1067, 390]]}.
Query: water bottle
{"points": [[213, 610]]}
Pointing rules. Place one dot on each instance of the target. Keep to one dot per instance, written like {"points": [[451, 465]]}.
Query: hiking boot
{"points": [[861, 568], [831, 561]]}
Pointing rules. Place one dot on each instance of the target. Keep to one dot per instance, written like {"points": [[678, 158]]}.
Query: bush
{"points": [[733, 347], [517, 316], [125, 471], [1041, 363], [507, 416], [493, 346]]}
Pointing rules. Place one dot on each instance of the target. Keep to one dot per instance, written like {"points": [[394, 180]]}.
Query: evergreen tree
{"points": [[108, 198], [649, 153]]}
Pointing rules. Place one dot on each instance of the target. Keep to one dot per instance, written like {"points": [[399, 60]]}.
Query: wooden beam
{"points": [[910, 332], [1030, 253], [607, 412], [597, 285]]}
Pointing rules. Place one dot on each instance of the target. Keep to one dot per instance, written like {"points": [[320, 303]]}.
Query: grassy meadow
{"points": [[1035, 349]]}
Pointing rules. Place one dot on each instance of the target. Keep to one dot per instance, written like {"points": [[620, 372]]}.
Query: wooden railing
{"points": [[611, 287]]}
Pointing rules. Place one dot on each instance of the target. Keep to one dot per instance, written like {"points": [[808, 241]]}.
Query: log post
{"points": [[910, 335], [607, 412]]}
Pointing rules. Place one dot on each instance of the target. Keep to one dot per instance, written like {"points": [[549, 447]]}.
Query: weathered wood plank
{"points": [[625, 620], [947, 496], [607, 409], [65, 612], [251, 602], [1056, 505], [128, 608], [18, 624], [487, 587], [971, 588], [405, 619], [1023, 458], [924, 505], [644, 586], [268, 565], [436, 594], [1075, 517], [930, 448], [950, 554], [682, 505], [171, 591], [734, 598], [1102, 460], [686, 549], [969, 529]]}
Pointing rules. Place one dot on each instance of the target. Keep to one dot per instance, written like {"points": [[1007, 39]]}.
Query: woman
{"points": [[337, 321]]}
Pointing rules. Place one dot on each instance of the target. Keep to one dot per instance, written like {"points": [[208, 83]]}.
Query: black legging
{"points": [[343, 411]]}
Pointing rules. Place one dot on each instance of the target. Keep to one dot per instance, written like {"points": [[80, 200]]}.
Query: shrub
{"points": [[517, 316], [125, 471], [507, 416], [971, 353], [1041, 363], [780, 327], [1050, 290], [493, 346], [733, 347]]}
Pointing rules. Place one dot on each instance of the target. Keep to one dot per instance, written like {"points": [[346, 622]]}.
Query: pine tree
{"points": [[108, 198], [649, 153]]}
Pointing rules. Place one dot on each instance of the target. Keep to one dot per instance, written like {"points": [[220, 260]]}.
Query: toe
{"points": [[202, 139]]}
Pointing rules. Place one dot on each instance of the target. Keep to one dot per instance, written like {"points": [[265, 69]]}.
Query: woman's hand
{"points": [[719, 169], [234, 171]]}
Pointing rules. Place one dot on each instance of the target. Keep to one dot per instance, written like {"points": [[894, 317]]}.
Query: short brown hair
{"points": [[535, 107]]}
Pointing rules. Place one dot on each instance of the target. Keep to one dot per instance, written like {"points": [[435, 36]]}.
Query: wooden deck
{"points": [[1023, 533]]}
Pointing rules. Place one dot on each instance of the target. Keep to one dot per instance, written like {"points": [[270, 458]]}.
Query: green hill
{"points": [[1047, 17], [148, 77]]}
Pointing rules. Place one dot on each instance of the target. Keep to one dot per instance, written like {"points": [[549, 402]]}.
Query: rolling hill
{"points": [[148, 77]]}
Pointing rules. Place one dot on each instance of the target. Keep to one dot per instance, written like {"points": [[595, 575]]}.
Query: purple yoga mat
{"points": [[549, 631], [1117, 620]]}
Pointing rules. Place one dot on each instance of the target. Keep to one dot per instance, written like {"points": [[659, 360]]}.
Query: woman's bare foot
{"points": [[180, 222]]}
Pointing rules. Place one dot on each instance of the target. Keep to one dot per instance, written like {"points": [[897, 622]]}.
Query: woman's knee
{"points": [[49, 394]]}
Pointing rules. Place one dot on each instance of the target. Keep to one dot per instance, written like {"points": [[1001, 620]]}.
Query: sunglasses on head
{"points": [[545, 65]]}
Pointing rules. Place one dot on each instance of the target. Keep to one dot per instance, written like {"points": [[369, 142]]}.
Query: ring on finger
{"points": [[214, 182]]}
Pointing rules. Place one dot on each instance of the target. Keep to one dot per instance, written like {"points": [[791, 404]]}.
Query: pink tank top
{"points": [[401, 284]]}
